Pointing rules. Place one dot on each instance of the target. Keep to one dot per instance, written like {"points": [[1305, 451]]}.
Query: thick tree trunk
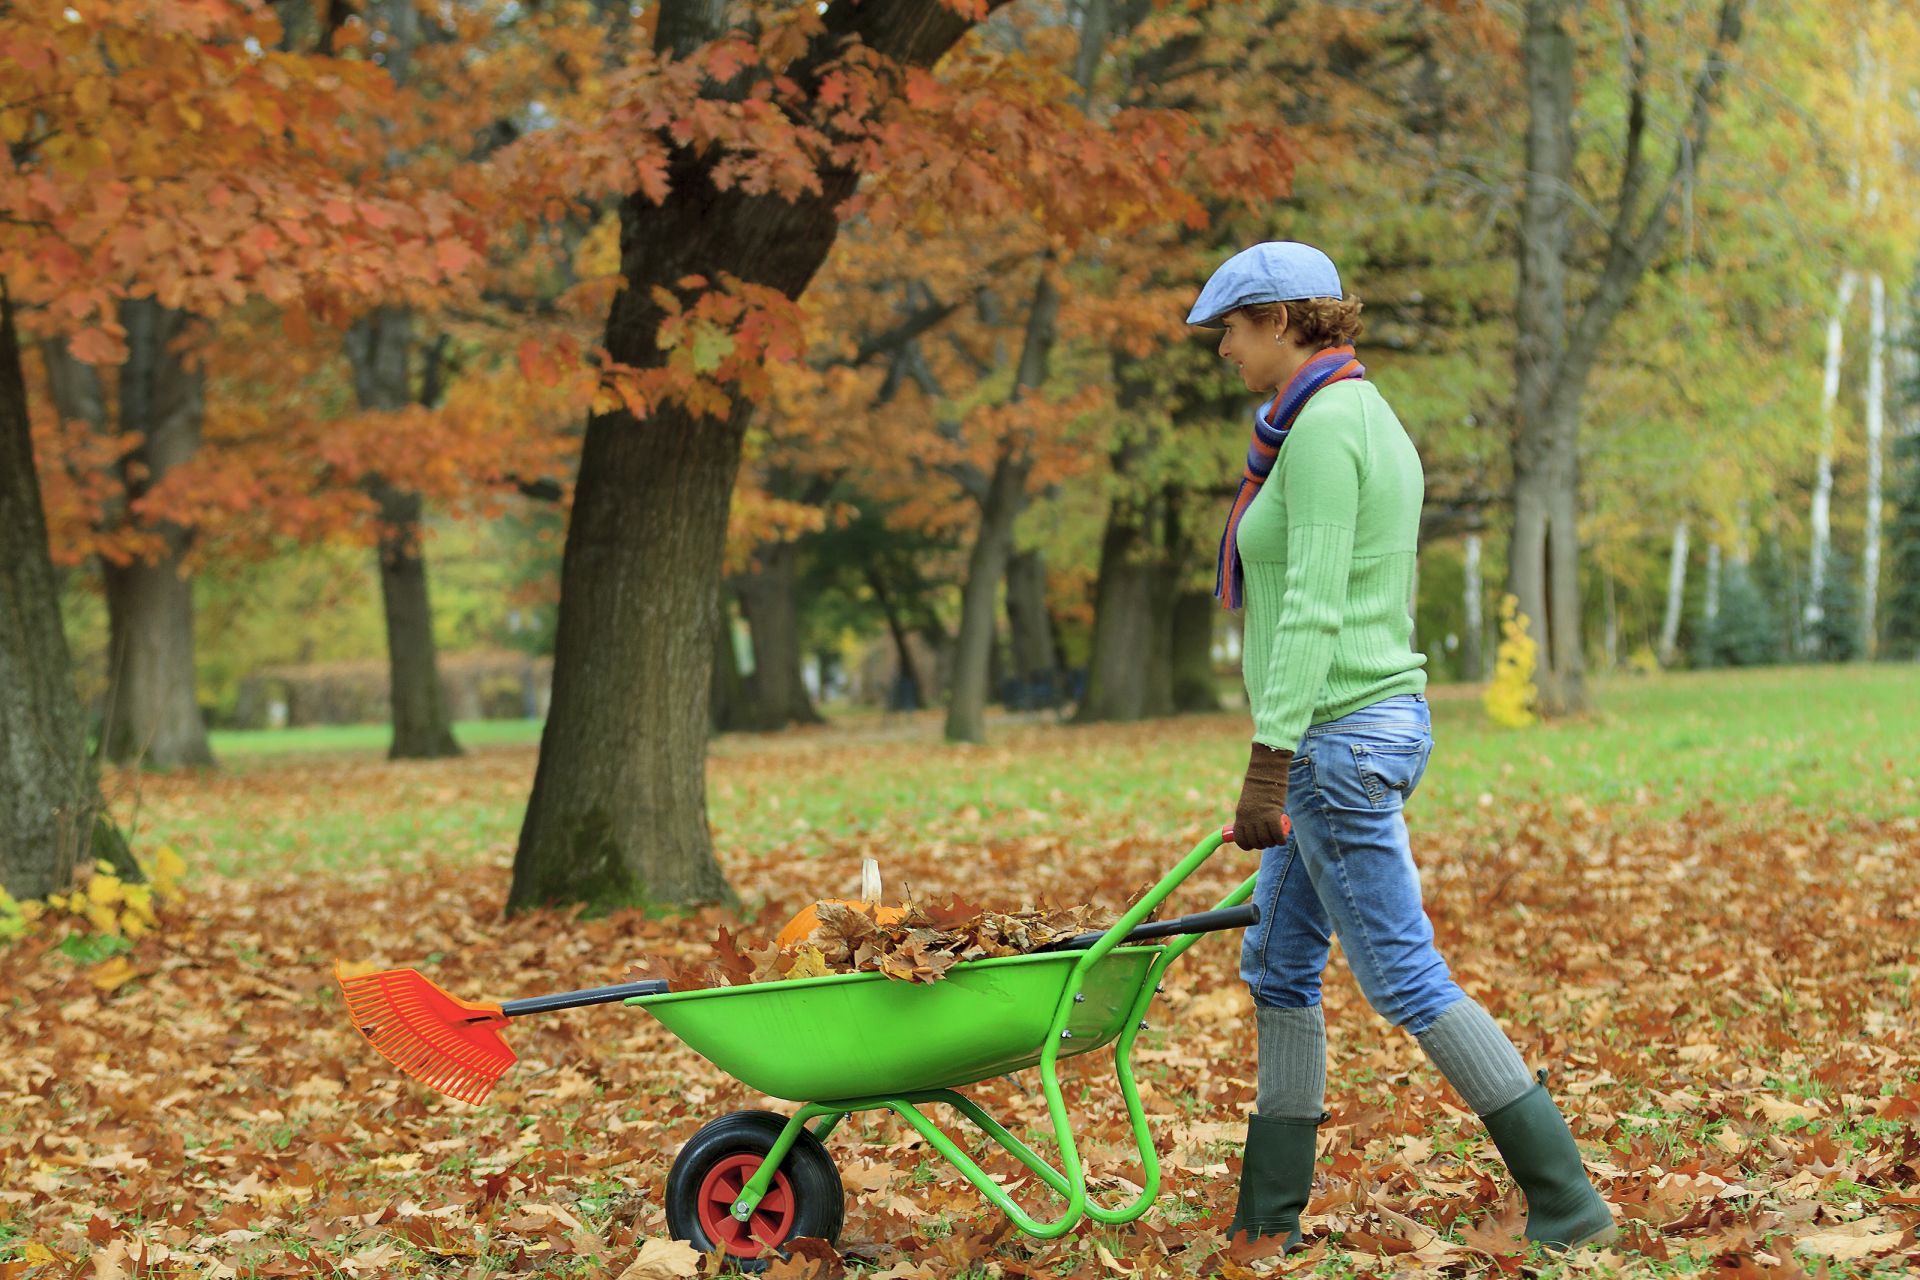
{"points": [[1195, 687], [986, 566], [1555, 353], [618, 814], [1676, 593], [767, 599], [1876, 416], [1130, 671], [152, 713], [380, 349], [1540, 452], [48, 796], [1034, 663]]}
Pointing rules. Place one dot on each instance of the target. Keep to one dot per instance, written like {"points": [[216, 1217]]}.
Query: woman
{"points": [[1319, 550]]}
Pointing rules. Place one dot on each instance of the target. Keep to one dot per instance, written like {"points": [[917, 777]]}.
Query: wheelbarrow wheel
{"points": [[806, 1198]]}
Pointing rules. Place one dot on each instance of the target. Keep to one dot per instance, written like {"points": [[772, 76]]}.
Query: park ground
{"points": [[1695, 906]]}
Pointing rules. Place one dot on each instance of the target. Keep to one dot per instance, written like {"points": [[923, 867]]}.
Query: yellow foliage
{"points": [[164, 874], [1511, 694], [106, 903], [112, 974], [104, 890]]}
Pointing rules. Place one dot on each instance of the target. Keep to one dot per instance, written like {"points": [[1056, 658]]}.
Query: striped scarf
{"points": [[1271, 423]]}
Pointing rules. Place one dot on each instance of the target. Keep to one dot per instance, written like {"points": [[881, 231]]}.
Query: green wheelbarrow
{"points": [[748, 1182], [846, 1043]]}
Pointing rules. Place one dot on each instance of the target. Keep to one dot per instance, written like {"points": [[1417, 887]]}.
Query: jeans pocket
{"points": [[1389, 772]]}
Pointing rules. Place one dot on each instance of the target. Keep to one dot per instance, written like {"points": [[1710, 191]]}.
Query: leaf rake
{"points": [[453, 1046]]}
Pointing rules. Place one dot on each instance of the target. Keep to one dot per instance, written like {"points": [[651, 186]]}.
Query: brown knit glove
{"points": [[1259, 820]]}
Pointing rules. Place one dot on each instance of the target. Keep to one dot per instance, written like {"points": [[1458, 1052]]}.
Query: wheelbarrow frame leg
{"points": [[1069, 1181]]}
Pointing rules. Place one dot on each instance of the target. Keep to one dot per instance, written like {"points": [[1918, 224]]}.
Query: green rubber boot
{"points": [[1563, 1209], [1276, 1177]]}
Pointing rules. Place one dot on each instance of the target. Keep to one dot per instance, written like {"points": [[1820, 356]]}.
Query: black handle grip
{"points": [[582, 998], [1238, 917]]}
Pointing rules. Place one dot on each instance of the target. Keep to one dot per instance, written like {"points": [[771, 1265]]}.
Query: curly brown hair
{"points": [[1316, 322]]}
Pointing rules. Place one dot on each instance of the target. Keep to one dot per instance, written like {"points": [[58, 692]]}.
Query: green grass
{"points": [[237, 745], [1837, 744]]}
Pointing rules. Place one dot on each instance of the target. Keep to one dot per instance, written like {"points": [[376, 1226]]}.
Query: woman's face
{"points": [[1256, 349]]}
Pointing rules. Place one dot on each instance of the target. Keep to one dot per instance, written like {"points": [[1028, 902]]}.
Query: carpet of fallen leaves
{"points": [[1725, 1003]]}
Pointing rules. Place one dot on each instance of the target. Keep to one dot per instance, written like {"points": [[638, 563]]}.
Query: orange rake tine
{"points": [[452, 1046]]}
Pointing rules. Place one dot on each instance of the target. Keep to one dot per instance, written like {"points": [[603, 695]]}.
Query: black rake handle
{"points": [[1239, 917], [582, 998]]}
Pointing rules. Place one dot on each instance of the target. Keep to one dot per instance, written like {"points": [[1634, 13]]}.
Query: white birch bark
{"points": [[1475, 656], [1821, 518], [1676, 590], [1876, 429]]}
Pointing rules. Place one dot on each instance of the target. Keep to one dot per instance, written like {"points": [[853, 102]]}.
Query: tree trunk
{"points": [[380, 349], [618, 814], [1195, 687], [1130, 672], [48, 796], [915, 687], [986, 566], [1473, 647], [1876, 431], [1676, 591], [1567, 691], [1710, 606], [730, 701], [1612, 633], [1820, 519], [1034, 663], [1005, 498], [1555, 352], [767, 599], [152, 712]]}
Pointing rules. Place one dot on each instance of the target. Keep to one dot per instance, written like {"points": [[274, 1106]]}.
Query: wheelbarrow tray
{"points": [[863, 1034]]}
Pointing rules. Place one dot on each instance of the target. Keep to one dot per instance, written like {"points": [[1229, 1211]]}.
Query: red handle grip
{"points": [[1286, 829]]}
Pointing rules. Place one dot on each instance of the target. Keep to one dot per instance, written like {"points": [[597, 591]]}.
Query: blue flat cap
{"points": [[1276, 271]]}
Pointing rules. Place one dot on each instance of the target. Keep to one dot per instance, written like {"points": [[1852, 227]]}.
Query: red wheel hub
{"points": [[771, 1221]]}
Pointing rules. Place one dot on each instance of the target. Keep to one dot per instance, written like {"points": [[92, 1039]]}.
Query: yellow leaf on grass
{"points": [[663, 1260], [110, 975]]}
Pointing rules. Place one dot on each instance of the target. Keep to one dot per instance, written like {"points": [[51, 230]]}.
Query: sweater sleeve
{"points": [[1319, 474]]}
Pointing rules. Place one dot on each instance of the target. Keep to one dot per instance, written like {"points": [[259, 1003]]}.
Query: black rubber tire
{"points": [[819, 1199]]}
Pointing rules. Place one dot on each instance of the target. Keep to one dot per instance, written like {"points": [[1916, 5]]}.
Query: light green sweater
{"points": [[1328, 546]]}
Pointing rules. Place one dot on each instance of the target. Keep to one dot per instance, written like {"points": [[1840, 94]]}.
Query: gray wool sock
{"points": [[1476, 1057], [1293, 1063]]}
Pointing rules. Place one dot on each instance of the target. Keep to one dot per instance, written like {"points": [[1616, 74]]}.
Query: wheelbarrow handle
{"points": [[582, 998], [1240, 917]]}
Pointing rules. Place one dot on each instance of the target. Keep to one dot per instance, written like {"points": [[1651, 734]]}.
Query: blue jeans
{"points": [[1347, 870]]}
